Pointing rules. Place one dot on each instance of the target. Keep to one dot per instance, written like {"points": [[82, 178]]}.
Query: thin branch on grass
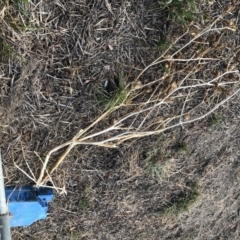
{"points": [[119, 138], [165, 107], [206, 30]]}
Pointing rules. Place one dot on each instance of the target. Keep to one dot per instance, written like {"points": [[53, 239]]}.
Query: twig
{"points": [[137, 120]]}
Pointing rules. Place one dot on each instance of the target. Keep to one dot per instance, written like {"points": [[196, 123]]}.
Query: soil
{"points": [[62, 55]]}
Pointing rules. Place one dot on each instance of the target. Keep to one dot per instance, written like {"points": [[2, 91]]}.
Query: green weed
{"points": [[215, 121], [164, 68], [114, 94], [6, 51], [20, 6], [182, 202], [75, 236], [183, 147], [181, 11], [12, 11], [162, 44], [155, 162], [87, 189], [83, 203]]}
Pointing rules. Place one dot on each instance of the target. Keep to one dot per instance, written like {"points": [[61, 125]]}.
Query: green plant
{"points": [[161, 44], [16, 14], [164, 68], [182, 202], [179, 10], [87, 189], [183, 147], [115, 95], [155, 162], [21, 7], [6, 51], [75, 236], [215, 121], [83, 203]]}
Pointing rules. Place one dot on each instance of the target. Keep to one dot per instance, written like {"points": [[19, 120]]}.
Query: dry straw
{"points": [[189, 90]]}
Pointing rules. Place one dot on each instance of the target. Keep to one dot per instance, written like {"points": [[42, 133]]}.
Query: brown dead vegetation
{"points": [[56, 57]]}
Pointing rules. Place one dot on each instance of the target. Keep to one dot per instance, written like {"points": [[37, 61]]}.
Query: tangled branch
{"points": [[190, 89]]}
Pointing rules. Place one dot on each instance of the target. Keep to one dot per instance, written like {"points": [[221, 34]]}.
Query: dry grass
{"points": [[55, 56], [181, 96]]}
